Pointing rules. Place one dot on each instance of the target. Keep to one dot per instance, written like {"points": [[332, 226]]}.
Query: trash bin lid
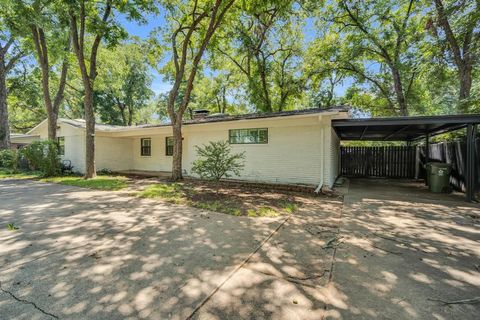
{"points": [[440, 165]]}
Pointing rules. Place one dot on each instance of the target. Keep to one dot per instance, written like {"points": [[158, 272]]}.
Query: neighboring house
{"points": [[18, 140], [291, 147]]}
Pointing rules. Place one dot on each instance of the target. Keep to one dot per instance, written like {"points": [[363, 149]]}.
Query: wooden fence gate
{"points": [[389, 161]]}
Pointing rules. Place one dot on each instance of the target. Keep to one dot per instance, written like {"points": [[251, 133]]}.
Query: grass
{"points": [[8, 174], [182, 193], [12, 227], [110, 183], [170, 192], [263, 212], [217, 206], [290, 207]]}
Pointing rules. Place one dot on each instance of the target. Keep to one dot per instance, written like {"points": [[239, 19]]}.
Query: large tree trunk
{"points": [[397, 84], [461, 54], [465, 76], [90, 171], [177, 151], [4, 127], [42, 57]]}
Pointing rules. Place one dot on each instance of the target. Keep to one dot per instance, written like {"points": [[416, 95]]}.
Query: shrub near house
{"points": [[216, 161], [39, 156]]}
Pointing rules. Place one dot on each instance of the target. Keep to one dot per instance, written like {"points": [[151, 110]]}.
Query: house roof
{"points": [[22, 135], [401, 128], [80, 123]]}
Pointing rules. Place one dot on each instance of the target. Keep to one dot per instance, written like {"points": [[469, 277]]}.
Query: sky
{"points": [[154, 21]]}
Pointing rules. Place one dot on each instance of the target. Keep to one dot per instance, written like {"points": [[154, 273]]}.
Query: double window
{"points": [[169, 146], [61, 145], [146, 147], [248, 136]]}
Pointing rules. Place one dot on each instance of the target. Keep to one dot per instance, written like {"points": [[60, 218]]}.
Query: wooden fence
{"points": [[408, 161], [454, 153], [390, 162]]}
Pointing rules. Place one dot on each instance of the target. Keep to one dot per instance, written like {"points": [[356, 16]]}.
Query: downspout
{"points": [[322, 148]]}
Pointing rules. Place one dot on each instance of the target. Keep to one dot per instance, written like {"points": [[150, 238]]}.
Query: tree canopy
{"points": [[138, 61]]}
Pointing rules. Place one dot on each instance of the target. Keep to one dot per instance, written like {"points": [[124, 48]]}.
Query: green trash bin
{"points": [[439, 176]]}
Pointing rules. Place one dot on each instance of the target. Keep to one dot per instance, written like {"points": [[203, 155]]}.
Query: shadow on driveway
{"points": [[97, 255]]}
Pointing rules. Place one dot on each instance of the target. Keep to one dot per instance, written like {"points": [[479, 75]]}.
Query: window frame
{"points": [[144, 148], [167, 147], [61, 146], [230, 136]]}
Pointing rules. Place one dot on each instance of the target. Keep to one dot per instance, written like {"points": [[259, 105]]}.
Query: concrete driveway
{"points": [[389, 253]]}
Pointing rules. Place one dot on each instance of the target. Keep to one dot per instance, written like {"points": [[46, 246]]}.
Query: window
{"points": [[169, 146], [248, 136], [146, 147], [61, 145]]}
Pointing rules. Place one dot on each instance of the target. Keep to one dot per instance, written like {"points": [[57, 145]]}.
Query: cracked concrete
{"points": [[25, 302], [82, 254]]}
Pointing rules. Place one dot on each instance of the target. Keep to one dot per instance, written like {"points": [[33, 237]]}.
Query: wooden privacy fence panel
{"points": [[390, 161], [455, 153]]}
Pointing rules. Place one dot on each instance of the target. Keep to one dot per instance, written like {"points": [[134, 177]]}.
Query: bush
{"points": [[43, 156], [216, 161], [7, 157], [12, 160]]}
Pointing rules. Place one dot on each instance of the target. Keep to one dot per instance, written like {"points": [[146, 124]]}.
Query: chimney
{"points": [[200, 113]]}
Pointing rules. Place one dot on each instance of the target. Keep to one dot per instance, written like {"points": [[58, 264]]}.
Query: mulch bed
{"points": [[243, 196]]}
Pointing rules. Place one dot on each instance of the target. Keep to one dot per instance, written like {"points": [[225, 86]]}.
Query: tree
{"points": [[264, 47], [192, 26], [25, 101], [10, 54], [460, 22], [216, 161], [382, 33], [124, 83], [88, 17], [57, 31]]}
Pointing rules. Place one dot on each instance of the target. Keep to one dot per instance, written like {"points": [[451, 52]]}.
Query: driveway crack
{"points": [[27, 302]]}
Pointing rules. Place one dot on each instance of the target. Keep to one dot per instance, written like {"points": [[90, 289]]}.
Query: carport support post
{"points": [[427, 155], [470, 165]]}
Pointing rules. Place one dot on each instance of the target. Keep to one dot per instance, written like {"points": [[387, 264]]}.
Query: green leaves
{"points": [[216, 161]]}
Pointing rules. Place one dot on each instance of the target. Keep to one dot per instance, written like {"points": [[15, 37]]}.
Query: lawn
{"points": [[230, 198], [110, 183], [8, 174]]}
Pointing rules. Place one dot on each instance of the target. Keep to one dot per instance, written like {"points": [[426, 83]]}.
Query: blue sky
{"points": [[154, 21]]}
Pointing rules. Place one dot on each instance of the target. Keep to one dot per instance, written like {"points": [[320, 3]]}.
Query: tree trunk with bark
{"points": [[88, 76], [461, 52], [4, 126], [398, 87], [214, 17], [465, 76], [177, 173], [5, 67], [52, 108], [90, 170]]}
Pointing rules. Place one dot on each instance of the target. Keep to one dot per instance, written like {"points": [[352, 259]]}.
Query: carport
{"points": [[413, 129]]}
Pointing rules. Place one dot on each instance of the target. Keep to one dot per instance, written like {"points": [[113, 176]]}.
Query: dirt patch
{"points": [[230, 197]]}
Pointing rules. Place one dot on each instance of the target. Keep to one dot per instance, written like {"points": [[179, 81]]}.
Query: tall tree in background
{"points": [[192, 26], [96, 19], [264, 46], [49, 34], [379, 32], [124, 82], [10, 54], [460, 23]]}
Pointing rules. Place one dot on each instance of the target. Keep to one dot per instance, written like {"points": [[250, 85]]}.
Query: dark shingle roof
{"points": [[80, 123]]}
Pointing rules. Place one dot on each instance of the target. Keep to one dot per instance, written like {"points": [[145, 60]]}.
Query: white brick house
{"points": [[292, 147]]}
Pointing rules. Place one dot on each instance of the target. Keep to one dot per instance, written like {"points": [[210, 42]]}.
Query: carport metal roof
{"points": [[400, 128]]}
